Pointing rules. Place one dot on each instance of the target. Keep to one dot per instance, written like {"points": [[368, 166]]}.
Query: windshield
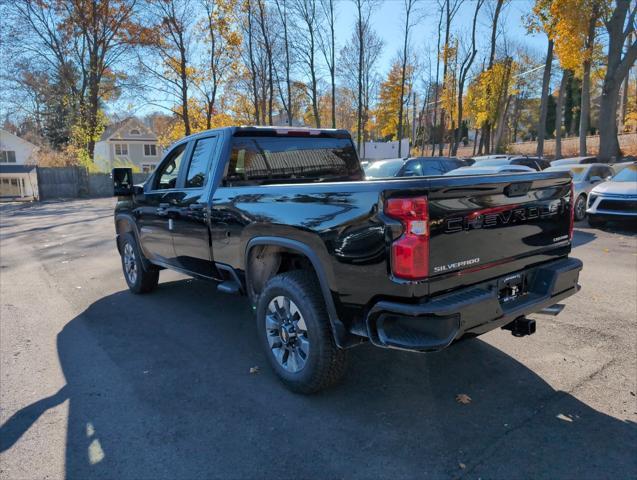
{"points": [[628, 174], [578, 173], [383, 169]]}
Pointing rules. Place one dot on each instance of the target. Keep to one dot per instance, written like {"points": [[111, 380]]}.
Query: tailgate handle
{"points": [[517, 189]]}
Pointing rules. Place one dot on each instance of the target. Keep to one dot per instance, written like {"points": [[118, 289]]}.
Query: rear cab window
{"points": [[260, 158]]}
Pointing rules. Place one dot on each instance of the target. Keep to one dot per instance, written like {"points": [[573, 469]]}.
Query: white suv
{"points": [[615, 199]]}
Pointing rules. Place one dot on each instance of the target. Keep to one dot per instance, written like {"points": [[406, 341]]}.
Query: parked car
{"points": [[328, 260], [478, 169], [532, 162], [615, 199], [482, 158], [574, 160], [585, 177], [412, 167]]}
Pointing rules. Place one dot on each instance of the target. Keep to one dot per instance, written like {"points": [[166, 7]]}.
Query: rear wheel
{"points": [[293, 324], [138, 279], [580, 208]]}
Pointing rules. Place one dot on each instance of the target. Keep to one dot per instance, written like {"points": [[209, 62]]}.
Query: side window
{"points": [[166, 176], [198, 168], [431, 167], [412, 169], [607, 172]]}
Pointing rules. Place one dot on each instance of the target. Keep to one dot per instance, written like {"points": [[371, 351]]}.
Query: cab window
{"points": [[168, 171], [198, 168]]}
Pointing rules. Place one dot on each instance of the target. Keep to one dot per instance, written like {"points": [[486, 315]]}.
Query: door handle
{"points": [[196, 206], [161, 210]]}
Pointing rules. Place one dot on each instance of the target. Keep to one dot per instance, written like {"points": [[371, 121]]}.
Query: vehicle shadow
{"points": [[159, 386]]}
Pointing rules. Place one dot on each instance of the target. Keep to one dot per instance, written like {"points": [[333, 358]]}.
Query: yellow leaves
{"points": [[487, 91], [388, 107], [567, 24]]}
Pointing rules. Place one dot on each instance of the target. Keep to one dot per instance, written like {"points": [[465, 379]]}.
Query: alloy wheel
{"points": [[287, 334], [130, 265]]}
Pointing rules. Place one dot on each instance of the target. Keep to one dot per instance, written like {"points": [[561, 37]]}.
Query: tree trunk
{"points": [[546, 81], [585, 105], [436, 86], [558, 114], [617, 69], [403, 74], [359, 107]]}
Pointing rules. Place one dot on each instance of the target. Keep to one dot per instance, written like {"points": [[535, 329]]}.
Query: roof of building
{"points": [[4, 168], [5, 135], [124, 130]]}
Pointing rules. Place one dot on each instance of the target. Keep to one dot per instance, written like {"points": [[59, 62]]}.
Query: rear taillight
{"points": [[572, 224], [410, 251]]}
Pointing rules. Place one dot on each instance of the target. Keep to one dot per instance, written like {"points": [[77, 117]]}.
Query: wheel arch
{"points": [[280, 245]]}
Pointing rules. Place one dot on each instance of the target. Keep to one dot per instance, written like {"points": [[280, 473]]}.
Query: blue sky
{"points": [[387, 20]]}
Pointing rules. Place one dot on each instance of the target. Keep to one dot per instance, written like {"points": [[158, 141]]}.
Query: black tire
{"points": [[144, 280], [596, 222], [325, 364], [580, 208]]}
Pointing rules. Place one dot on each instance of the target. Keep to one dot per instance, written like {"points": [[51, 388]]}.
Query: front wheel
{"points": [[580, 208], [138, 279], [293, 325]]}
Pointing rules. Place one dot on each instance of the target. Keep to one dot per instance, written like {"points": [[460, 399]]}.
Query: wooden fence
{"points": [[570, 146]]}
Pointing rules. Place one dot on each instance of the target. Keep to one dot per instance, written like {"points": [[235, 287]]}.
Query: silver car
{"points": [[477, 169], [585, 177], [614, 200]]}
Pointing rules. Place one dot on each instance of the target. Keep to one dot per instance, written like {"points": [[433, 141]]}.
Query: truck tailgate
{"points": [[478, 222]]}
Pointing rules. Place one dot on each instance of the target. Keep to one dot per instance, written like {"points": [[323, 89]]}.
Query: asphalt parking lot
{"points": [[98, 383]]}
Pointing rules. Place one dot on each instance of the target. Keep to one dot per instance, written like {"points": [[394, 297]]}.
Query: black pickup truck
{"points": [[329, 260]]}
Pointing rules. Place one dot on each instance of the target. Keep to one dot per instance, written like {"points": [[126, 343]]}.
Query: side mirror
{"points": [[596, 179], [122, 182]]}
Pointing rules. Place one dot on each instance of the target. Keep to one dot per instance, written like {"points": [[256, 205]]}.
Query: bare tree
{"points": [[485, 137], [585, 105], [465, 67], [437, 84], [566, 74], [619, 26], [286, 100], [249, 33], [172, 38], [80, 42], [349, 69], [410, 21], [544, 99], [328, 47], [451, 9], [307, 44], [263, 20], [222, 53], [362, 27]]}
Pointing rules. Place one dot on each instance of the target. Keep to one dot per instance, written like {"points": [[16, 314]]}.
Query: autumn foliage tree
{"points": [[392, 100]]}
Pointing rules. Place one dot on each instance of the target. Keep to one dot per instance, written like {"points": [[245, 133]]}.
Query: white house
{"points": [[18, 176], [128, 142]]}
